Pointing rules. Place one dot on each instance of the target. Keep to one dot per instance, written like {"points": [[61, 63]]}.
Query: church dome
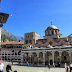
{"points": [[70, 35], [52, 27]]}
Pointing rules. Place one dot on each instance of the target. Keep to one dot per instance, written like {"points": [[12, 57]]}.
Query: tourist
{"points": [[9, 68], [59, 64], [70, 67], [53, 64], [49, 66], [27, 64], [1, 67], [65, 67]]}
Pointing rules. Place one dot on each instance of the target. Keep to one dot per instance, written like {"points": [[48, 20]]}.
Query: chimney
{"points": [[19, 40]]}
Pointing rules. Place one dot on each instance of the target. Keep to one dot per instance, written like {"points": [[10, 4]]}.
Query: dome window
{"points": [[50, 43]]}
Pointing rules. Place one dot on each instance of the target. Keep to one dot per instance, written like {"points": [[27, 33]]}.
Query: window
{"points": [[65, 58], [50, 43], [26, 41], [52, 32], [61, 44], [30, 41], [32, 35], [56, 32], [48, 32]]}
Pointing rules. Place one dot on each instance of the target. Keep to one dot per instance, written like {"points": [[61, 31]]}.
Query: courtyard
{"points": [[32, 69]]}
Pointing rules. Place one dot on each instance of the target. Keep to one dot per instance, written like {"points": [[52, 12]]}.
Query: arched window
{"points": [[61, 44], [52, 32], [26, 41], [65, 58], [30, 41], [48, 32], [56, 32], [50, 43]]}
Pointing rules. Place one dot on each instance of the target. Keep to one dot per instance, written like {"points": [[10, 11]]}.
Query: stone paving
{"points": [[38, 69], [34, 69]]}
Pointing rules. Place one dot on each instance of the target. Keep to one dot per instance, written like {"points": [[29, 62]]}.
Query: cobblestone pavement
{"points": [[34, 69], [38, 69]]}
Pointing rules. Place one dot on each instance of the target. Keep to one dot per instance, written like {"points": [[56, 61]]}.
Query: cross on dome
{"points": [[51, 23]]}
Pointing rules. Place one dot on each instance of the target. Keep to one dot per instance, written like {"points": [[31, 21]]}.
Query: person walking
{"points": [[70, 67], [65, 67], [49, 66], [9, 68], [27, 64], [1, 67], [53, 64]]}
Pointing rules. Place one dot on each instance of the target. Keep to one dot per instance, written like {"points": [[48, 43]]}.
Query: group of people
{"points": [[67, 68], [8, 67]]}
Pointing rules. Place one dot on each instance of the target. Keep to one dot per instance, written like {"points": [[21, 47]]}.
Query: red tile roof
{"points": [[12, 42]]}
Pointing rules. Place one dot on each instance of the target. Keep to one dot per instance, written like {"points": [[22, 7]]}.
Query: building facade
{"points": [[53, 49], [31, 37], [11, 51]]}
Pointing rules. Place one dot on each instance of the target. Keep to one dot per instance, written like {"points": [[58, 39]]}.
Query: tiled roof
{"points": [[27, 45], [12, 42]]}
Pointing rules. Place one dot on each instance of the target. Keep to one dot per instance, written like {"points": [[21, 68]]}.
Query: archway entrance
{"points": [[51, 62], [65, 57], [48, 58], [40, 58], [34, 58], [57, 59]]}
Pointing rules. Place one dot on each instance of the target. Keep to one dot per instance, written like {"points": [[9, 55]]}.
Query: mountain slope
{"points": [[8, 34], [4, 37]]}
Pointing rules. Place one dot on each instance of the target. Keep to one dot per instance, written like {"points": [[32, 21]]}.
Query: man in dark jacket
{"points": [[8, 67]]}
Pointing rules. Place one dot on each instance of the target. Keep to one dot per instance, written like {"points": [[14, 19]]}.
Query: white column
{"points": [[14, 55], [17, 55], [70, 56], [10, 55], [7, 55], [60, 55], [0, 36], [43, 58], [30, 57], [53, 56], [22, 58], [38, 57], [4, 54]]}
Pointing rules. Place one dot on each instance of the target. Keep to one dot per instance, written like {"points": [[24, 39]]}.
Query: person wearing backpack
{"points": [[9, 68]]}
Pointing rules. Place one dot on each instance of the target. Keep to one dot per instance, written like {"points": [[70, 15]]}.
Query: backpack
{"points": [[8, 67]]}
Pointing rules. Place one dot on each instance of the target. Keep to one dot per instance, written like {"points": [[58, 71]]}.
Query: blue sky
{"points": [[36, 15]]}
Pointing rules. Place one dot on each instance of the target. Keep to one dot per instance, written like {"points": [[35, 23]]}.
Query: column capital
{"points": [[43, 52], [60, 52], [69, 53], [30, 54], [52, 53], [37, 54]]}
